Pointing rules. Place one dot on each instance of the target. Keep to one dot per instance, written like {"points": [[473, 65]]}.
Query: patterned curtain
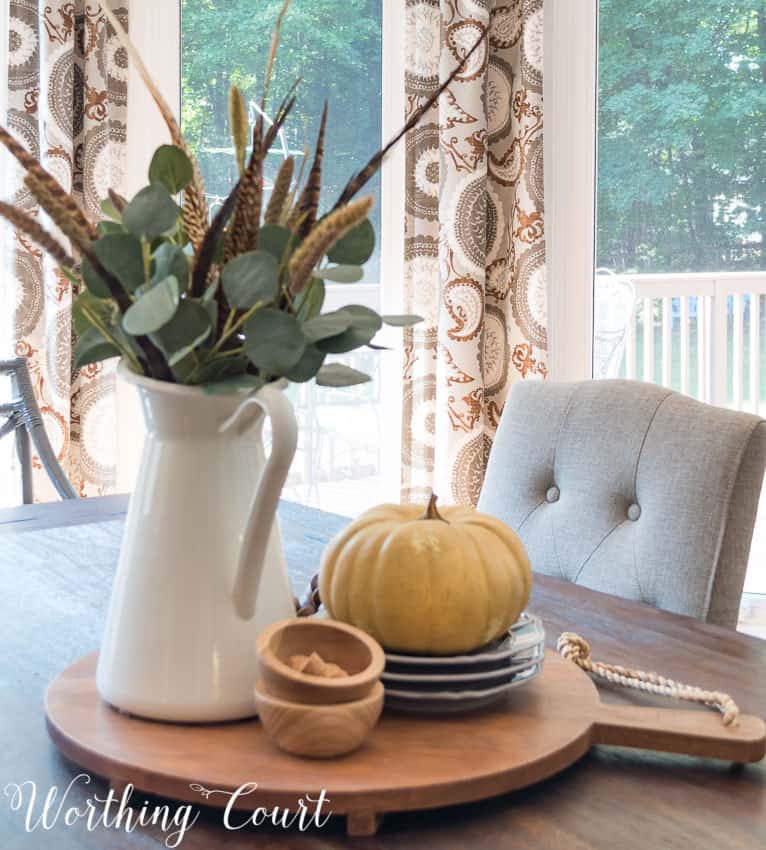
{"points": [[474, 235], [67, 102]]}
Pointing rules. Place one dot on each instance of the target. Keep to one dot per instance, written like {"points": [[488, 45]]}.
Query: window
{"points": [[335, 48], [658, 221]]}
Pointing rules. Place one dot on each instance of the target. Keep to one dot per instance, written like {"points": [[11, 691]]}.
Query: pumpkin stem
{"points": [[431, 512]]}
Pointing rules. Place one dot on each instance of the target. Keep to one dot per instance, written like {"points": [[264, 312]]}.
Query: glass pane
{"points": [[681, 212], [334, 47]]}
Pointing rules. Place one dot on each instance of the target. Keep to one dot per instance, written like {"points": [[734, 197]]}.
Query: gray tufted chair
{"points": [[631, 489]]}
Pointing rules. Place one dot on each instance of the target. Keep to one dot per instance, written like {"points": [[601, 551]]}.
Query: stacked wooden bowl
{"points": [[308, 714]]}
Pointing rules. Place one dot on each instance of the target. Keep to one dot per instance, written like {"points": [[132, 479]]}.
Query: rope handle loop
{"points": [[577, 650]]}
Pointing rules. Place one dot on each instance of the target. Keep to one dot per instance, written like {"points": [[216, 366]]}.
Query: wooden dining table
{"points": [[57, 562]]}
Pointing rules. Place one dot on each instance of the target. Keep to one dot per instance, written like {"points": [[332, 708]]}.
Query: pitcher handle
{"points": [[255, 539]]}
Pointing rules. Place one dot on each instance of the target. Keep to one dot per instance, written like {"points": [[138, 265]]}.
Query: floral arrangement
{"points": [[226, 303]]}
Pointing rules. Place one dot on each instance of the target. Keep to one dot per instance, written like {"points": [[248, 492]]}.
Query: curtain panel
{"points": [[474, 235], [67, 103]]}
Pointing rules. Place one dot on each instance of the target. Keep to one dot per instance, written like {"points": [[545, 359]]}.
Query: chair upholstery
{"points": [[631, 489]]}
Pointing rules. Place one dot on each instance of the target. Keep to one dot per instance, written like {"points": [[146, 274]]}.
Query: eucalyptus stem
{"points": [[104, 331]]}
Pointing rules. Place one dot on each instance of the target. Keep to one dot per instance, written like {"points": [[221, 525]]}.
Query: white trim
{"points": [[571, 56], [392, 243], [155, 30]]}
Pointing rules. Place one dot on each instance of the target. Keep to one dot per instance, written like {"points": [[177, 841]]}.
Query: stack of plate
{"points": [[464, 682]]}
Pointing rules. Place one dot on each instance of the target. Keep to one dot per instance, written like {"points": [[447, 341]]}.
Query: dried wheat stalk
{"points": [[44, 178], [322, 238], [195, 211], [37, 233], [59, 213], [273, 51], [280, 192], [238, 121]]}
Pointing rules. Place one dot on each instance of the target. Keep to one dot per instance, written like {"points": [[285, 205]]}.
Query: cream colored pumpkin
{"points": [[437, 583]]}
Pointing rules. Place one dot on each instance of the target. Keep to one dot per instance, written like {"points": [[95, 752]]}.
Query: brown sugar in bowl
{"points": [[358, 654]]}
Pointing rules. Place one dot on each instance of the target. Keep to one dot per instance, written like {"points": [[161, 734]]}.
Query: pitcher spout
{"points": [[252, 555]]}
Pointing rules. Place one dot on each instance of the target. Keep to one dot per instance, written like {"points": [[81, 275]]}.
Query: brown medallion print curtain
{"points": [[67, 103], [474, 235]]}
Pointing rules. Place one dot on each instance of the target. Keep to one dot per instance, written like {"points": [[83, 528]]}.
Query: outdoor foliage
{"points": [[682, 135]]}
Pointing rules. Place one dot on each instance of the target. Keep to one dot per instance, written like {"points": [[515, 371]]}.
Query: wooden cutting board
{"points": [[407, 763]]}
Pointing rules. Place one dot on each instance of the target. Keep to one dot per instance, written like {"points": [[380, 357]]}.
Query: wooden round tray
{"points": [[409, 762]]}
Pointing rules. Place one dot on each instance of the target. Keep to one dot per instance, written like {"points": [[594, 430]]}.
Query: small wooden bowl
{"points": [[319, 731], [352, 649]]}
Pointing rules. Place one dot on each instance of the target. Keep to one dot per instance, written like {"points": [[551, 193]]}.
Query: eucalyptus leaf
{"points": [[307, 367], [151, 213], [169, 259], [222, 368], [104, 228], [402, 321], [93, 281], [275, 239], [153, 309], [340, 375], [235, 384], [309, 303], [110, 210], [171, 168], [340, 274], [189, 327], [250, 278], [365, 324], [327, 325], [120, 254], [356, 247], [274, 340], [87, 303], [92, 347]]}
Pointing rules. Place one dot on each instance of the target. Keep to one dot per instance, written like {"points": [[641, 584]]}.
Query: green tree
{"points": [[334, 46], [682, 135]]}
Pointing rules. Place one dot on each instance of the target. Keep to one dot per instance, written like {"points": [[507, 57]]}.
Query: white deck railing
{"points": [[701, 334]]}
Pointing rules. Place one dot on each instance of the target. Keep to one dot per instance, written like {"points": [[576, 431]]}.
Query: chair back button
{"points": [[634, 512], [552, 495]]}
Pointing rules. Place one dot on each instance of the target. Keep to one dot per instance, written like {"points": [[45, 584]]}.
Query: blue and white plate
{"points": [[466, 682]]}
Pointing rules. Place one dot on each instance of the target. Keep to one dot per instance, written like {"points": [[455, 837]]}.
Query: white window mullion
{"points": [[570, 76]]}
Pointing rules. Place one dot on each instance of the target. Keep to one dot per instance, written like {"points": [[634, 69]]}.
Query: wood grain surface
{"points": [[56, 578]]}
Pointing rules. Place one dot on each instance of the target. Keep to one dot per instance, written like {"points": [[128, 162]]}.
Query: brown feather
{"points": [[308, 203], [372, 166]]}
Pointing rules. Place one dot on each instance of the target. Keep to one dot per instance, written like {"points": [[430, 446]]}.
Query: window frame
{"points": [[571, 92]]}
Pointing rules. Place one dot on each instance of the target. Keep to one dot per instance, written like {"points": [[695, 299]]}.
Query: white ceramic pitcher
{"points": [[201, 570]]}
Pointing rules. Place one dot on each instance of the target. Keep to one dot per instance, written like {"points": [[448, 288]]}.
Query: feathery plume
{"points": [[280, 192], [37, 233], [44, 178], [59, 213], [308, 203], [273, 52], [195, 211], [329, 230], [238, 122]]}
